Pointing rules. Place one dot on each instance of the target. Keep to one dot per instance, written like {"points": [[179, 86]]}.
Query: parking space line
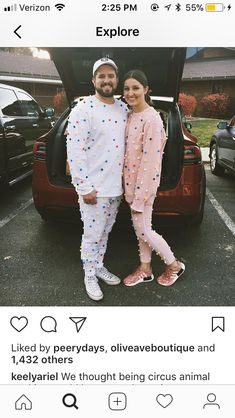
{"points": [[221, 212], [15, 212]]}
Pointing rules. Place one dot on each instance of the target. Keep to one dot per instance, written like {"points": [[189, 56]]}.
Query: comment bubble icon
{"points": [[48, 324]]}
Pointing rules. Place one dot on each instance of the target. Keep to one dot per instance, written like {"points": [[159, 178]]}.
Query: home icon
{"points": [[23, 403]]}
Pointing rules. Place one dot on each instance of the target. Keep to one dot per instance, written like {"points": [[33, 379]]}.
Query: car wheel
{"points": [[4, 185], [46, 218], [45, 215], [216, 169], [197, 219]]}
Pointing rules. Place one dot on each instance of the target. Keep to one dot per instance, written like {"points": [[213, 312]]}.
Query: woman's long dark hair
{"points": [[142, 79]]}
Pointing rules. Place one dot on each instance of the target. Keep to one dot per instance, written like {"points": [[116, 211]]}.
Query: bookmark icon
{"points": [[218, 322]]}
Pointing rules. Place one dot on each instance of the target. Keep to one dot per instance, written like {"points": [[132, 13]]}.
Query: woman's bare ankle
{"points": [[174, 265], [146, 267]]}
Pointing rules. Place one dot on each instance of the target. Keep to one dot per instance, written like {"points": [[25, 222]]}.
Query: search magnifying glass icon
{"points": [[70, 400]]}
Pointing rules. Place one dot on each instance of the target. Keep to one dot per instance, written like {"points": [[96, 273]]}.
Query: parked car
{"points": [[222, 148], [22, 121], [182, 189]]}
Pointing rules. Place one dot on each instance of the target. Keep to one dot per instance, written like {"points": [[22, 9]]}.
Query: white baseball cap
{"points": [[104, 61]]}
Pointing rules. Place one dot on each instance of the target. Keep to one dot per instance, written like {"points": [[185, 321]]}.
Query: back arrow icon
{"points": [[15, 31]]}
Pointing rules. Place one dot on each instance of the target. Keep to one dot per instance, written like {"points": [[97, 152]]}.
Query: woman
{"points": [[145, 141]]}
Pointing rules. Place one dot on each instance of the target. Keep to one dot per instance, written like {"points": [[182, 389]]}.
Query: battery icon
{"points": [[214, 7]]}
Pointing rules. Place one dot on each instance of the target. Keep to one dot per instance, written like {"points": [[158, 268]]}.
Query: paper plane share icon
{"points": [[78, 321]]}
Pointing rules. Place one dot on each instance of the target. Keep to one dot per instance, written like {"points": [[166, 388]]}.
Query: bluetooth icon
{"points": [[178, 7]]}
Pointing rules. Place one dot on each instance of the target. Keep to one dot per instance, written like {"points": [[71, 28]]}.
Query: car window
{"points": [[29, 106], [9, 104]]}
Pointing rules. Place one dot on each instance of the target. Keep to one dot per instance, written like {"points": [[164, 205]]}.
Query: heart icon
{"points": [[164, 400], [19, 323]]}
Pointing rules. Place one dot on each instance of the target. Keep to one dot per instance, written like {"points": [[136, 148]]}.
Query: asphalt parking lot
{"points": [[40, 263]]}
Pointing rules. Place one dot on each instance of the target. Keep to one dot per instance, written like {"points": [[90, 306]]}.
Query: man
{"points": [[95, 147]]}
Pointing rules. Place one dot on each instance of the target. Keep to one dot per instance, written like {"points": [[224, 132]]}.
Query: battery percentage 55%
{"points": [[194, 7]]}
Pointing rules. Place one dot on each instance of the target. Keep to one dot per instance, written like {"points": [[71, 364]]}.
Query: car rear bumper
{"points": [[185, 199]]}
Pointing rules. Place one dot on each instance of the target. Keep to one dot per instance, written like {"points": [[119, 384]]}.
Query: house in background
{"points": [[210, 70], [206, 71], [37, 76]]}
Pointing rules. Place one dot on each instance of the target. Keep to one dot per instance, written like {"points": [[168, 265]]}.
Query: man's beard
{"points": [[104, 94]]}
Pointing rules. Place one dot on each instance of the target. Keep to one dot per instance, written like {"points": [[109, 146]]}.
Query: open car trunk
{"points": [[163, 67]]}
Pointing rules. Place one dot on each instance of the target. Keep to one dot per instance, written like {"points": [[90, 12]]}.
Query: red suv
{"points": [[182, 188]]}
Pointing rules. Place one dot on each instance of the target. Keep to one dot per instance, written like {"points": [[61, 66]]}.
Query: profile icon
{"points": [[211, 397]]}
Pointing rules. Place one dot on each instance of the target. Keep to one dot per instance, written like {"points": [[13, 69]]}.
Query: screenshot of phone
{"points": [[117, 220]]}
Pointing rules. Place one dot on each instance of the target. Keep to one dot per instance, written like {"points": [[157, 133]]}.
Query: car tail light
{"points": [[192, 154], [39, 151]]}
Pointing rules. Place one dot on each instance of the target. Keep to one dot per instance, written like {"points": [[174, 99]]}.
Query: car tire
{"points": [[4, 185], [46, 218], [216, 169], [45, 215], [196, 220]]}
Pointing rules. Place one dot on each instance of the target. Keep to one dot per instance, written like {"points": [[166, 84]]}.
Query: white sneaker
{"points": [[105, 275], [92, 288]]}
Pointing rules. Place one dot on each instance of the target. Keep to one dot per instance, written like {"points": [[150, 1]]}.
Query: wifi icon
{"points": [[59, 6]]}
